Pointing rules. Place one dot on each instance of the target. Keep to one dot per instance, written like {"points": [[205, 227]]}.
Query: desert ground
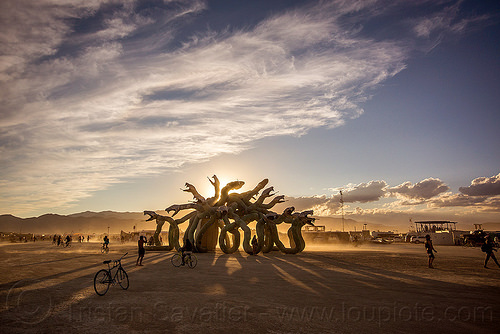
{"points": [[325, 289]]}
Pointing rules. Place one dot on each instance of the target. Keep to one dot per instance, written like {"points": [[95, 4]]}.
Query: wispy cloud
{"points": [[95, 92]]}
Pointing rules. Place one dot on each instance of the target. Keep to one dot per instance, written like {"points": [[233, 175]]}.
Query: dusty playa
{"points": [[368, 289]]}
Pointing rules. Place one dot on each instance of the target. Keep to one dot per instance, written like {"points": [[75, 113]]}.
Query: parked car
{"points": [[398, 239], [417, 239]]}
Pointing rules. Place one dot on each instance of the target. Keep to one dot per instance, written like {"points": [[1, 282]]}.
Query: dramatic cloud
{"points": [[97, 92], [364, 192], [322, 205], [431, 192], [329, 205], [483, 186], [422, 190]]}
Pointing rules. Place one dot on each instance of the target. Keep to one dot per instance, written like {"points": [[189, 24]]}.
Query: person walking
{"points": [[430, 249], [142, 251], [487, 247]]}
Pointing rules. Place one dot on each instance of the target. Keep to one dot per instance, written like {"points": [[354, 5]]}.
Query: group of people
{"points": [[487, 247], [60, 241], [81, 238], [185, 250]]}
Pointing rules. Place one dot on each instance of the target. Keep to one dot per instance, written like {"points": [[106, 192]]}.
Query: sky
{"points": [[114, 105]]}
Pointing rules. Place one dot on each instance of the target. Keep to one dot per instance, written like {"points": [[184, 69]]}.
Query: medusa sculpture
{"points": [[229, 212]]}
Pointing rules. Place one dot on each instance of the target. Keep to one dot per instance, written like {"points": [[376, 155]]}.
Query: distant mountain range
{"points": [[84, 222], [98, 222]]}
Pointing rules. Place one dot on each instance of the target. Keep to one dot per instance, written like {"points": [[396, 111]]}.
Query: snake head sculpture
{"points": [[215, 182], [174, 207], [303, 217], [306, 213], [152, 215], [267, 192], [234, 185], [310, 221], [196, 195], [288, 211], [280, 199]]}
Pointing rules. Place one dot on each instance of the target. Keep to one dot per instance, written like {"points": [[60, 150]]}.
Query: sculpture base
{"points": [[158, 248]]}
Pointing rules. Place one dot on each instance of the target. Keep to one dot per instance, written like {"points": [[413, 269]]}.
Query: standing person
{"points": [[487, 247], [255, 244], [429, 248], [142, 251]]}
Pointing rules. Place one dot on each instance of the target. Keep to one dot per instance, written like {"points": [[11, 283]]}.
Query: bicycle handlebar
{"points": [[122, 257]]}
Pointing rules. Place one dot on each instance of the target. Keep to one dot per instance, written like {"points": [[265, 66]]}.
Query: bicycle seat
{"points": [[106, 262]]}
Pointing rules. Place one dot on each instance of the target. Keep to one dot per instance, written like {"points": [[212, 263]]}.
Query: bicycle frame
{"points": [[189, 259], [116, 264]]}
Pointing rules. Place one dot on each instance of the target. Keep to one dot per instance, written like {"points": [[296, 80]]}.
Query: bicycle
{"points": [[104, 278], [104, 249], [189, 259]]}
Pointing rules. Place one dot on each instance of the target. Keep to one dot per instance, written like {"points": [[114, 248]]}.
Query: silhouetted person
{"points": [[186, 249], [430, 249], [487, 247], [106, 241], [255, 244], [142, 251]]}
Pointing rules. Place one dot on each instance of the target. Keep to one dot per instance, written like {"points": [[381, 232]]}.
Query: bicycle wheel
{"points": [[192, 261], [122, 278], [102, 281], [176, 260]]}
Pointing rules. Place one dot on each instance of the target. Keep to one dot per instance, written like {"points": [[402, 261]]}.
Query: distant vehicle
{"points": [[473, 239], [382, 241], [398, 239], [417, 239]]}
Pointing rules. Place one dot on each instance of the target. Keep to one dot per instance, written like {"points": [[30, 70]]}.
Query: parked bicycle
{"points": [[104, 277], [189, 259], [104, 248]]}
